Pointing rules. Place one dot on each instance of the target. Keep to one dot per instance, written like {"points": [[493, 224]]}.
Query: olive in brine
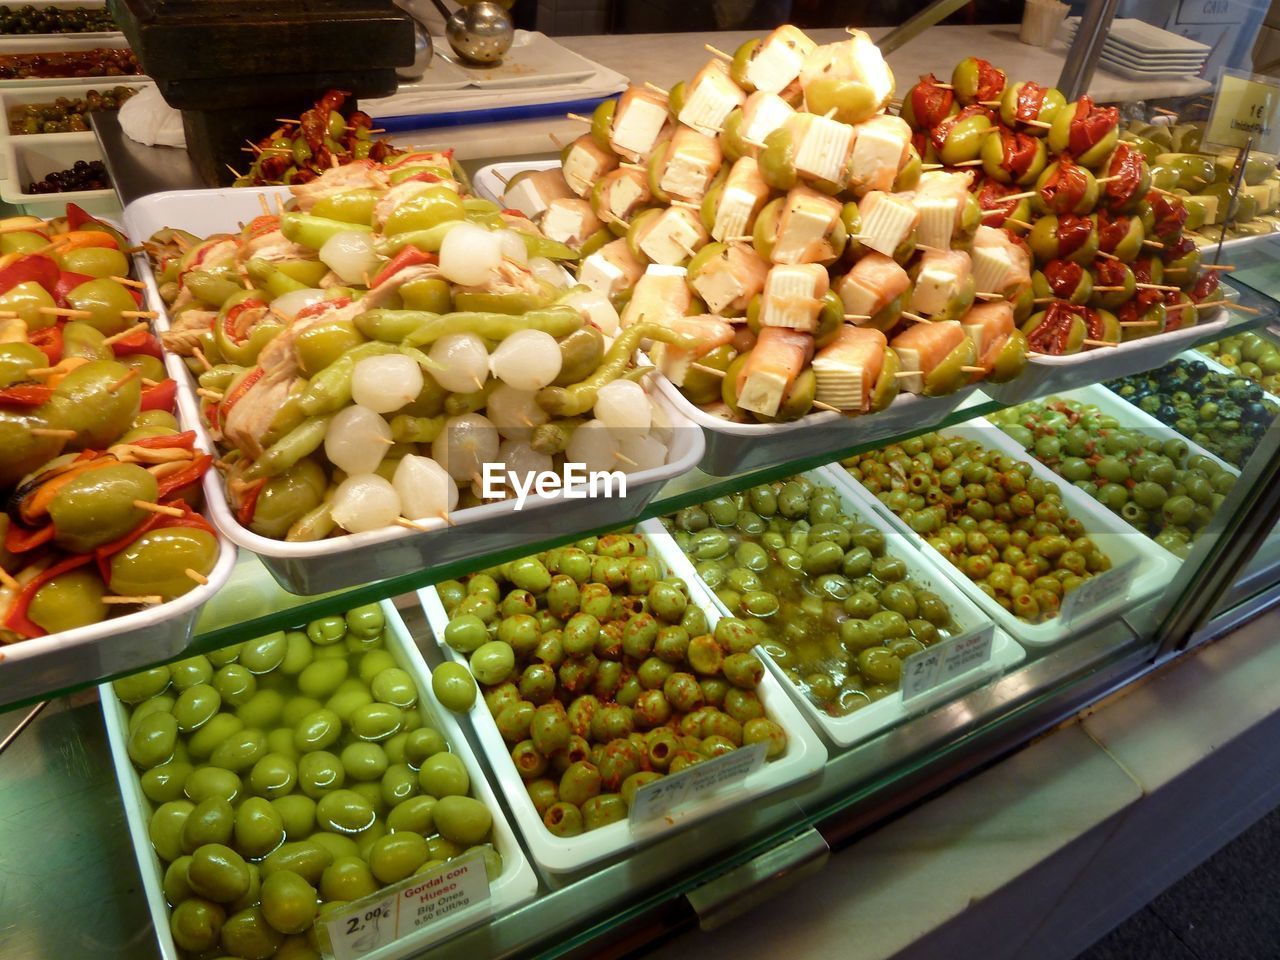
{"points": [[156, 562]]}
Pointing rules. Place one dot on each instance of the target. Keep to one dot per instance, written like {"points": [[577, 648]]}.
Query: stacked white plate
{"points": [[1141, 51]]}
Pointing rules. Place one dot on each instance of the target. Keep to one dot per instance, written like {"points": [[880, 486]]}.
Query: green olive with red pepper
{"points": [[97, 506], [72, 599], [964, 139], [86, 402], [156, 563]]}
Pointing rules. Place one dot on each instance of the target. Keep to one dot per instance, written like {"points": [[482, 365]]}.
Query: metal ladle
{"points": [[479, 32]]}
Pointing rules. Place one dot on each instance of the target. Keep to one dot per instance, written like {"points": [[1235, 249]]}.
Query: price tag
{"points": [[413, 903], [1097, 592], [661, 796], [939, 664], [1246, 106]]}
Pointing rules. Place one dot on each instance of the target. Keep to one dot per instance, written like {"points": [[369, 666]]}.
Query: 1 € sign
{"points": [[1246, 107]]}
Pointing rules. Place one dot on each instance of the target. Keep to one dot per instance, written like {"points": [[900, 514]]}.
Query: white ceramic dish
{"points": [[803, 757], [516, 884], [1119, 541], [32, 158], [336, 562], [922, 571], [1044, 375]]}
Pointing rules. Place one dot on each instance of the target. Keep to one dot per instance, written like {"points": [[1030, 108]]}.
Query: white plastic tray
{"points": [[921, 570], [1119, 541], [331, 564], [32, 667], [490, 181], [516, 884], [35, 156], [1131, 417], [1045, 375], [804, 756], [738, 447], [45, 94]]}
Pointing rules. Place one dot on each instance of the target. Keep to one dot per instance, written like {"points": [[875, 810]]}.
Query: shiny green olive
{"points": [[399, 783], [319, 772], [299, 653], [344, 811], [462, 819], [262, 710], [84, 401], [218, 873], [248, 934], [297, 813], [97, 506], [211, 821], [69, 600], [152, 741], [396, 687], [104, 300], [414, 815], [347, 878], [240, 751], [287, 497], [235, 685], [305, 859], [274, 775], [376, 721], [322, 677], [206, 782], [166, 826], [444, 775], [288, 902], [141, 686], [454, 687], [196, 706], [422, 743], [156, 563], [196, 924], [318, 730], [165, 782], [259, 828], [397, 855], [364, 762]]}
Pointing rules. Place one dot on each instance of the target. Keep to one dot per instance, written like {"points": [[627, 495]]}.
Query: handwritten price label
{"points": [[413, 903], [1244, 108], [1097, 592], [939, 664], [656, 799]]}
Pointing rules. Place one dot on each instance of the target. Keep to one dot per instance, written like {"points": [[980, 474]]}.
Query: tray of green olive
{"points": [[839, 598], [368, 419], [1160, 483], [602, 672], [1021, 540], [272, 785], [1251, 354]]}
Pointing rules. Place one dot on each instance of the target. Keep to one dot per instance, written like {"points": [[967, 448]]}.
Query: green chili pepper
{"points": [[428, 240], [559, 321], [312, 231], [458, 404], [407, 429], [581, 397], [330, 389], [350, 206], [545, 247], [218, 377], [301, 441], [211, 288], [316, 524], [580, 353], [552, 438], [271, 278], [484, 302]]}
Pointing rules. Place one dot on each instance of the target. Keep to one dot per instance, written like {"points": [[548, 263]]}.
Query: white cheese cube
{"points": [[934, 287], [526, 198], [824, 146], [763, 114], [877, 153], [807, 223], [887, 220], [673, 238], [776, 64], [792, 298], [718, 287], [601, 275], [733, 217], [909, 362], [762, 392], [712, 97], [637, 127], [991, 268], [937, 220]]}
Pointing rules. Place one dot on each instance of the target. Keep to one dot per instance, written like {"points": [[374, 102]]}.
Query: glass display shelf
{"points": [[252, 603], [65, 828]]}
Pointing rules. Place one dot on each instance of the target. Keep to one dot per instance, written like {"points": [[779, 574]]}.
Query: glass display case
{"points": [[873, 606]]}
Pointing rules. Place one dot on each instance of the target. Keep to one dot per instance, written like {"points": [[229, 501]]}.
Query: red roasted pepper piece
{"points": [[160, 397], [410, 256]]}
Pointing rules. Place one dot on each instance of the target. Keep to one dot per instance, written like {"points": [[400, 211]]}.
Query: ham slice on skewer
{"points": [[771, 369], [674, 361]]}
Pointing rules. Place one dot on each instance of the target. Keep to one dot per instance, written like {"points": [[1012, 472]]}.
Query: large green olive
{"points": [[288, 901], [318, 730], [152, 741], [273, 776], [444, 775], [347, 878], [240, 751], [344, 811], [298, 813], [166, 827], [156, 563], [196, 924], [464, 820], [397, 855], [319, 772], [84, 401], [259, 828], [21, 451], [104, 299], [211, 821], [247, 934], [218, 873], [141, 686], [72, 599], [287, 497], [165, 782], [416, 815], [304, 859], [206, 782], [196, 706]]}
